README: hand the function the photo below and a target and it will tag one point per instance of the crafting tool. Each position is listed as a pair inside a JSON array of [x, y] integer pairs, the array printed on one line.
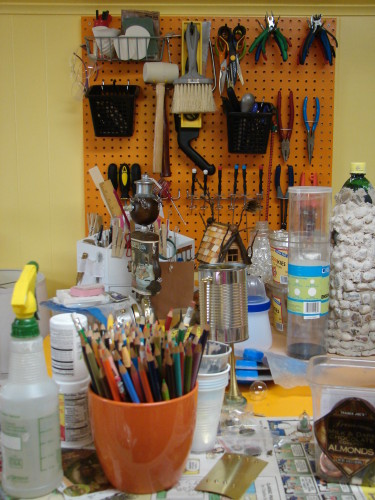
[[192, 91], [311, 128], [135, 175], [233, 196], [184, 137], [285, 134], [280, 195], [219, 188], [318, 31], [113, 175], [192, 189], [124, 180], [159, 73], [271, 29]]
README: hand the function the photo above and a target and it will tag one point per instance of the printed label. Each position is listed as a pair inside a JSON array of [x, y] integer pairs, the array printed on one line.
[[277, 310], [279, 258], [308, 290]]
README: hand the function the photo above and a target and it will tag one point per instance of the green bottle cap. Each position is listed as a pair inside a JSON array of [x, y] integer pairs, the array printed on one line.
[[25, 328], [357, 167]]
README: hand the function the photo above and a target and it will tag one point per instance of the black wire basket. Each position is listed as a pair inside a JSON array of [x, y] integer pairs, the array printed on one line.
[[247, 132], [113, 109]]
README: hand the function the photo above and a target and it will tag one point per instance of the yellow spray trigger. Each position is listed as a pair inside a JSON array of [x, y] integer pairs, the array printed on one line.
[[23, 299]]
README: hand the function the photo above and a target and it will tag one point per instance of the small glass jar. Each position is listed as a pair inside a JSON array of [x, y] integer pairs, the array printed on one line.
[[279, 256]]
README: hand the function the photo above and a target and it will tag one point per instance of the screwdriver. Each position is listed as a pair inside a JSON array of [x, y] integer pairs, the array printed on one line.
[[124, 178]]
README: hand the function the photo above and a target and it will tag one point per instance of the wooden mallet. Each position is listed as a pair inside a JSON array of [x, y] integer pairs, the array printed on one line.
[[159, 74]]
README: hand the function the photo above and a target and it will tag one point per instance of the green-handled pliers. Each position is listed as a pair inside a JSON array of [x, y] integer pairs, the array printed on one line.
[[270, 29]]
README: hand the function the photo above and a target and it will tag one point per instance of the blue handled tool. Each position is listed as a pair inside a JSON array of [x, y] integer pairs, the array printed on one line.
[[311, 129]]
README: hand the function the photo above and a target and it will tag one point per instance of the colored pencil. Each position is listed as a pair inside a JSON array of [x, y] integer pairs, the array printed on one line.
[[165, 391], [168, 320], [110, 378], [145, 383], [188, 368], [128, 383], [153, 377], [169, 373], [134, 375], [197, 356], [177, 371]]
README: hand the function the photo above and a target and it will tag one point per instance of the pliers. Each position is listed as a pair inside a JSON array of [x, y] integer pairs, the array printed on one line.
[[280, 195], [285, 134], [311, 130], [271, 29], [318, 31]]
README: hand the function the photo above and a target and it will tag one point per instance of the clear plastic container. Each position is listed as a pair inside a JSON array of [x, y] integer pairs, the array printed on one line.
[[343, 392], [260, 251], [279, 256], [258, 306], [308, 270]]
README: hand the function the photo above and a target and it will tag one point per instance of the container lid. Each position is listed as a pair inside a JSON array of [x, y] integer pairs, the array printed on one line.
[[309, 189], [357, 167], [258, 304]]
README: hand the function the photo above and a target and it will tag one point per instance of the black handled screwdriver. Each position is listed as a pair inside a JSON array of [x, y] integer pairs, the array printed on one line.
[[124, 179], [193, 179]]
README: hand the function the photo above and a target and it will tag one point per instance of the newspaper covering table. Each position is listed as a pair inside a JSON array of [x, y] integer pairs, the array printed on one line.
[[289, 473]]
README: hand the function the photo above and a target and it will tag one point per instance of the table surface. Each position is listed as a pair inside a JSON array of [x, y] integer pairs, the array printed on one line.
[[278, 402]]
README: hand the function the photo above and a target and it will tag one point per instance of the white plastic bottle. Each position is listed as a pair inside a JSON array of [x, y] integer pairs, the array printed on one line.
[[29, 406]]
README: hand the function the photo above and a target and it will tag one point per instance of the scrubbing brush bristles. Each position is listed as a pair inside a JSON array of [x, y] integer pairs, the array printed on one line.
[[192, 91]]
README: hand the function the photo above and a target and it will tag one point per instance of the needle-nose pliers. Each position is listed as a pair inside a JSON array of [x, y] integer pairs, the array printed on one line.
[[311, 129]]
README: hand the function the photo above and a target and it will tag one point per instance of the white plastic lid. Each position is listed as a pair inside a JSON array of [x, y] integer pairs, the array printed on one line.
[[357, 167]]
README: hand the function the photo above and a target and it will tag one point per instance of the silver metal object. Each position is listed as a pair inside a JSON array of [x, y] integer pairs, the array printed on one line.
[[223, 300]]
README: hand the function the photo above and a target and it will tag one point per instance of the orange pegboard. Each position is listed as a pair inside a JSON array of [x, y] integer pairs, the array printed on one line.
[[264, 79]]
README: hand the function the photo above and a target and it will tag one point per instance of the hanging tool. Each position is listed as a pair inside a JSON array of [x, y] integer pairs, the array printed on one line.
[[244, 182], [124, 180], [318, 31], [285, 134], [135, 175], [159, 73], [231, 47], [113, 175], [311, 129], [219, 178], [184, 137], [271, 29], [162, 190], [280, 196]]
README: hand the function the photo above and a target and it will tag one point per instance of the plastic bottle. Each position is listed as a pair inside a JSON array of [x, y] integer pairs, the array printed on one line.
[[260, 252], [351, 330], [358, 180], [29, 405]]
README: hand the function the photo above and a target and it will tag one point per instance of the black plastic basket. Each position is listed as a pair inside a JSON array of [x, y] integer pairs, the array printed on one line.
[[112, 109], [247, 132]]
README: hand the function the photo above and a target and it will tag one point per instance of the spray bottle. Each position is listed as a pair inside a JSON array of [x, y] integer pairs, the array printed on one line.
[[29, 409]]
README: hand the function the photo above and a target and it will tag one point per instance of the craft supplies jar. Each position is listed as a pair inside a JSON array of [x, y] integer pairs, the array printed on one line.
[[75, 430], [308, 270], [278, 295], [279, 255], [351, 325], [260, 251], [67, 360], [344, 418], [29, 410]]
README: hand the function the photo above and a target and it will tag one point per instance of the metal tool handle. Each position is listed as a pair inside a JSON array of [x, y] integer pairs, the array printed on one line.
[[219, 174], [192, 38], [193, 179]]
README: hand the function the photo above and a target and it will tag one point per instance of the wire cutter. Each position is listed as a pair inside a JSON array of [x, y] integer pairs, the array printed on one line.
[[270, 29], [318, 31], [280, 195], [311, 130], [285, 134]]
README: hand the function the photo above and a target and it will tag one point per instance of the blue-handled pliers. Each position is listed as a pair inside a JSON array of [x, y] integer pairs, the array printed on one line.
[[311, 129]]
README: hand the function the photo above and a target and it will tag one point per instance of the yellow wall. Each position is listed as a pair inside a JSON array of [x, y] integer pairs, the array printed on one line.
[[41, 147]]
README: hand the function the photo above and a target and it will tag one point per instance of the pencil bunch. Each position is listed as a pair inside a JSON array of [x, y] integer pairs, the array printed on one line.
[[141, 363]]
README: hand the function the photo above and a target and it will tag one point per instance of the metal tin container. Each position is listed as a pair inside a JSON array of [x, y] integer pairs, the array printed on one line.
[[223, 300]]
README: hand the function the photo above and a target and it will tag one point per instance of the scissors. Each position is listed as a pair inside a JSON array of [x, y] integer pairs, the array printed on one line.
[[231, 46], [311, 130]]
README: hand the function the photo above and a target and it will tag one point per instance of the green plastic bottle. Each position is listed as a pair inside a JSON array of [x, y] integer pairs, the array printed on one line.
[[358, 180]]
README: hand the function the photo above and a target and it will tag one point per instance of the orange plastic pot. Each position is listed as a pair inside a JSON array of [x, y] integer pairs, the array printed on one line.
[[143, 448]]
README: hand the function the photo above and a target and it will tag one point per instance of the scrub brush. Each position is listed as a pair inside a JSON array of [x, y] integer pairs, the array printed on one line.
[[192, 91]]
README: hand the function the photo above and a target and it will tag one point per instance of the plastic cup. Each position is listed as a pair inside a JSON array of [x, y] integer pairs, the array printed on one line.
[[211, 389], [215, 357], [143, 448]]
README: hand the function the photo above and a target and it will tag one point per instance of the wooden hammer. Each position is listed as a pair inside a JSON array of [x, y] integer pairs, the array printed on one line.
[[159, 73]]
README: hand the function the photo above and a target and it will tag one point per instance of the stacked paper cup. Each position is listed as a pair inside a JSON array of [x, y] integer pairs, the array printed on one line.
[[70, 373]]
